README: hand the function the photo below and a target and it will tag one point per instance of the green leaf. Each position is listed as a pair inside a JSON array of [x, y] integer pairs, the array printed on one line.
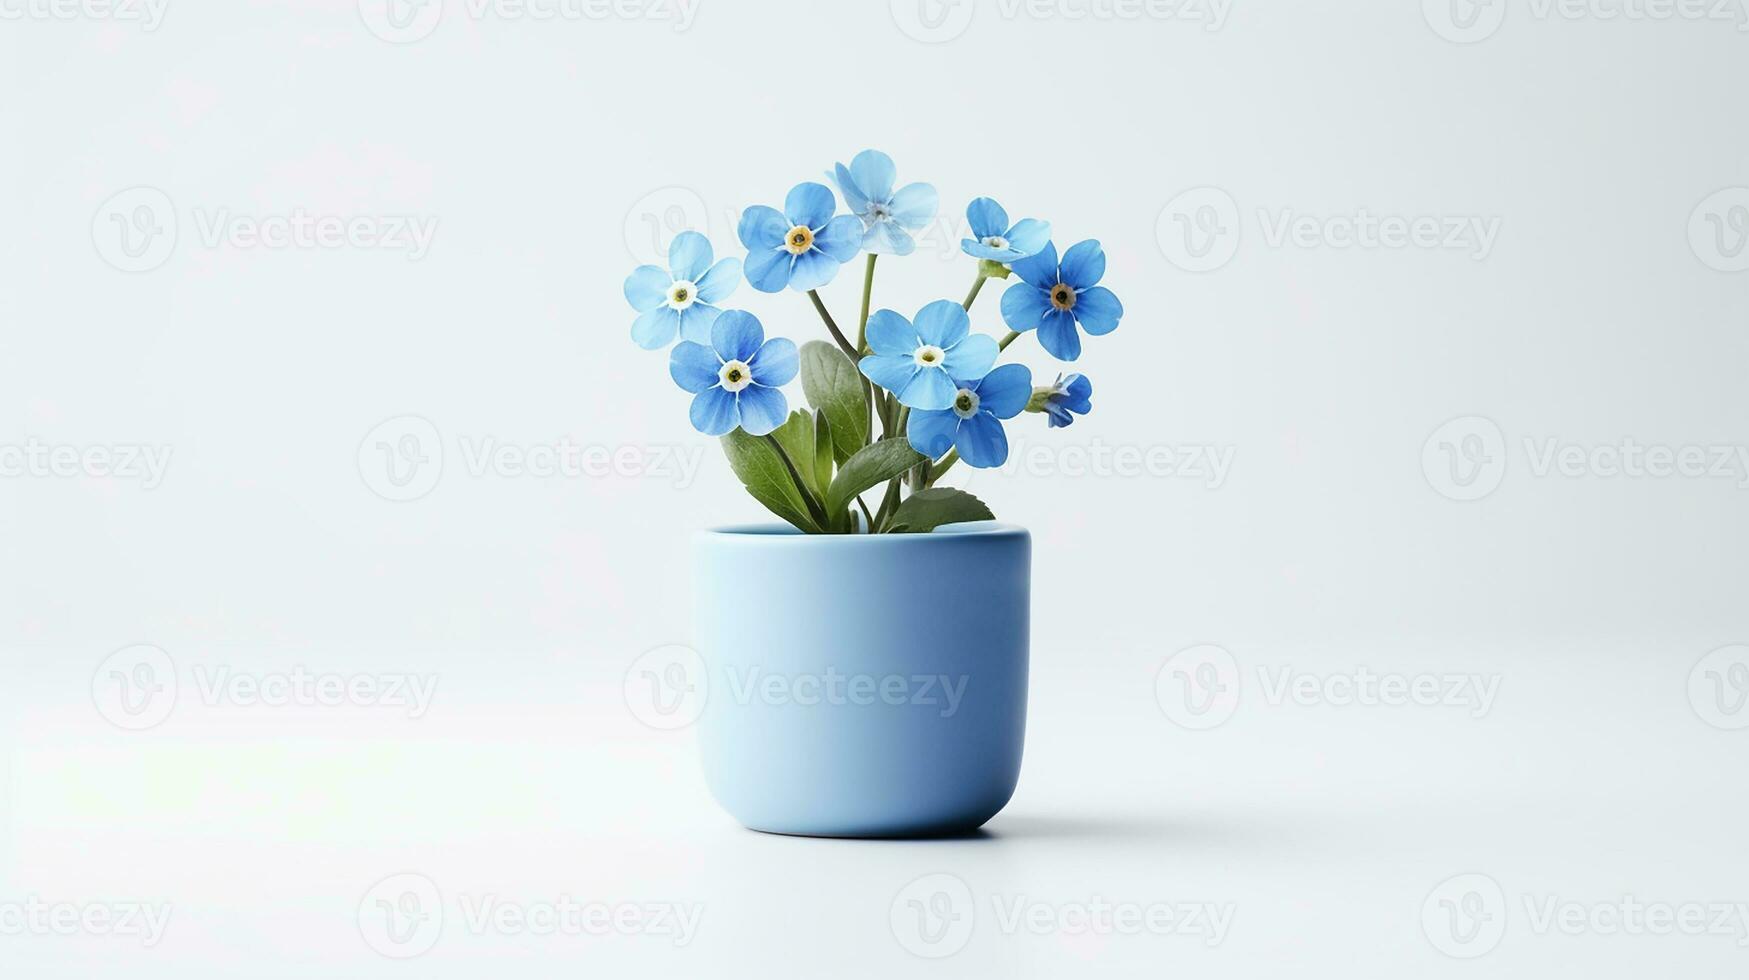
[[797, 438], [927, 510], [835, 387], [758, 466], [871, 465], [822, 452]]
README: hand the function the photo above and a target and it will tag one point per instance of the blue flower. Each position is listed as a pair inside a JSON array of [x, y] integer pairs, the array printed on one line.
[[972, 422], [1073, 393], [1053, 298], [680, 299], [919, 363], [888, 218], [994, 239], [800, 247], [734, 381]]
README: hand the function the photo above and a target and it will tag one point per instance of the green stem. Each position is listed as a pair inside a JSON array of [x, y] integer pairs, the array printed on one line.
[[1002, 344], [867, 290], [832, 325], [935, 472], [870, 526], [973, 295]]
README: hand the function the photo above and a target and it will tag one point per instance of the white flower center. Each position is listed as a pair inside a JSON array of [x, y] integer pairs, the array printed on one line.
[[929, 355], [799, 240], [735, 375], [965, 404], [996, 241], [879, 212], [682, 294]]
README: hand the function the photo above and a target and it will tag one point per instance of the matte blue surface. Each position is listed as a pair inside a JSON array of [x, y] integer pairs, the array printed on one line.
[[788, 749]]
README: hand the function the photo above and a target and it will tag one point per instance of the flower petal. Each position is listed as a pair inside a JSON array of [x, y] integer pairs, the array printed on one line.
[[854, 198], [986, 218], [1024, 306], [915, 206], [970, 359], [714, 412], [762, 409], [978, 250], [775, 363], [931, 433], [762, 227], [1040, 269], [689, 255], [981, 441], [1083, 264], [1005, 391], [891, 333], [1057, 334], [813, 269], [693, 366], [874, 173], [929, 389], [647, 287], [655, 328], [719, 281], [1029, 235], [696, 320], [736, 335], [809, 204], [943, 323], [891, 371], [1098, 310], [887, 238], [841, 238], [768, 269]]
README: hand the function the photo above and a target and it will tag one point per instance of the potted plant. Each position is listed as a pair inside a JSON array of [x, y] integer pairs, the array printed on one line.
[[867, 658]]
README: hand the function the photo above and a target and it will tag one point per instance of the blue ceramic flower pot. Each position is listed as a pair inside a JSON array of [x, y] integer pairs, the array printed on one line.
[[864, 685]]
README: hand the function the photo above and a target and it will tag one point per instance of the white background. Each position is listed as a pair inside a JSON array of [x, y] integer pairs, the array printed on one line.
[[553, 154]]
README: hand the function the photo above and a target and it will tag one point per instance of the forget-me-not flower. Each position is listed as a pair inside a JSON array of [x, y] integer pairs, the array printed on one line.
[[920, 361], [889, 219], [1069, 394], [801, 246], [972, 422], [734, 381], [679, 300], [995, 239], [1054, 297]]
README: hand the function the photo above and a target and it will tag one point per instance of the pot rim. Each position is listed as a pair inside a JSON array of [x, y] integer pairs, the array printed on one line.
[[785, 535]]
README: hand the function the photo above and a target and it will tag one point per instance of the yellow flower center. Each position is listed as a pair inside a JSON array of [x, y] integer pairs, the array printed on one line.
[[1063, 296], [799, 240], [929, 355], [682, 294]]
